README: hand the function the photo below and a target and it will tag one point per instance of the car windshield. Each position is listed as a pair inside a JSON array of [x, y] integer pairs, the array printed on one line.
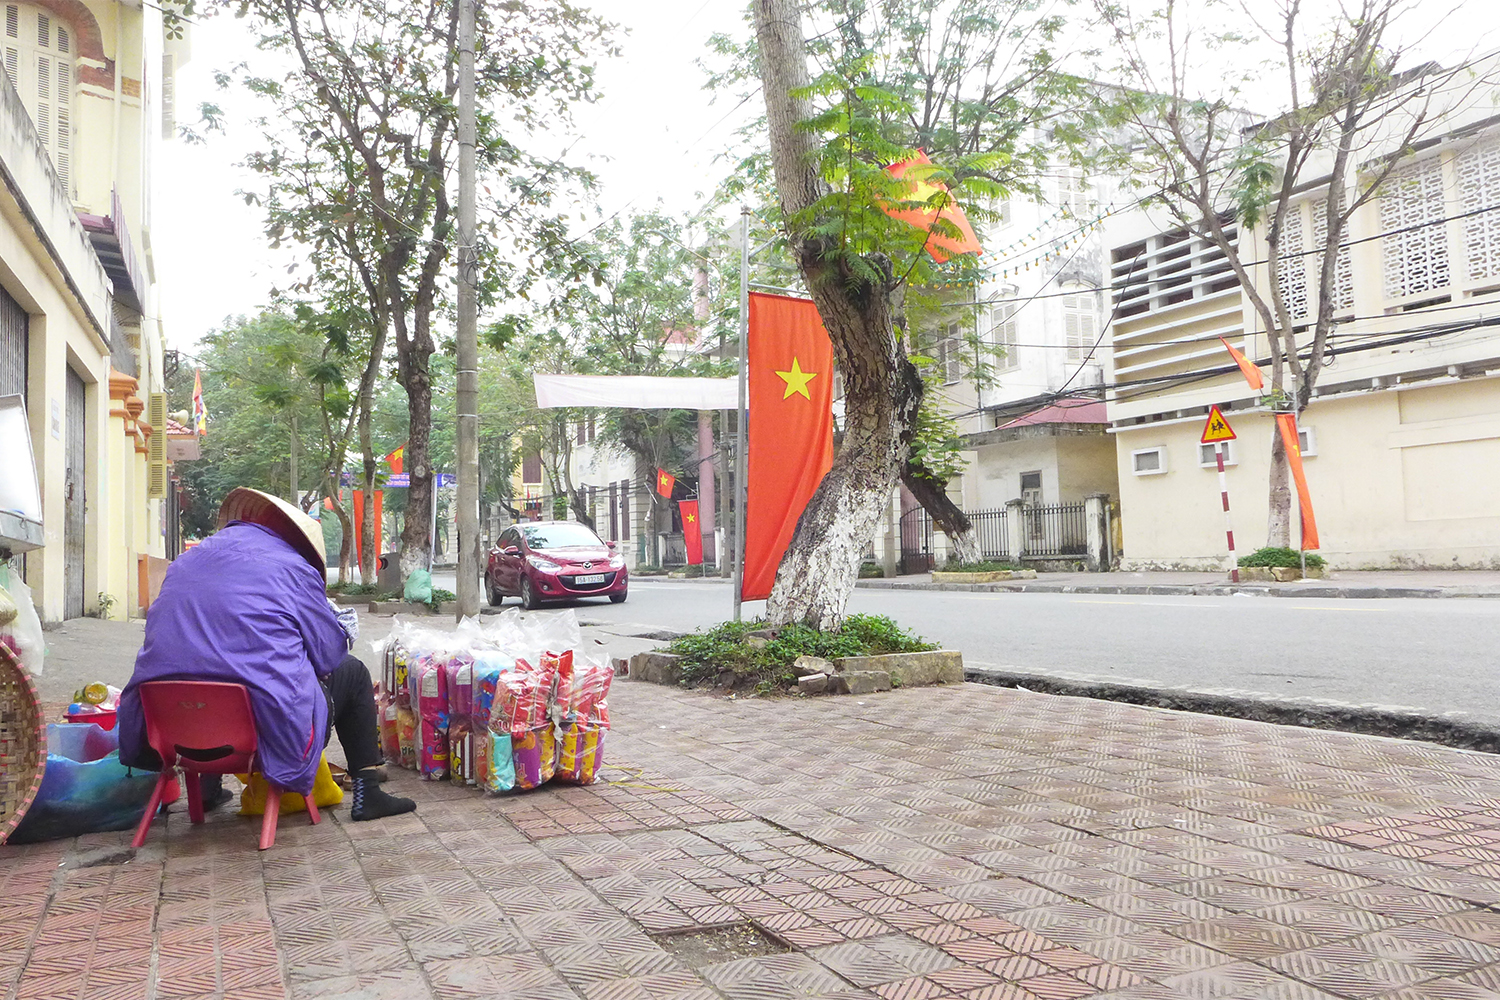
[[558, 536]]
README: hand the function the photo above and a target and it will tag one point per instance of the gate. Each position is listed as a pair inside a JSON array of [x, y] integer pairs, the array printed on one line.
[[916, 541], [76, 499]]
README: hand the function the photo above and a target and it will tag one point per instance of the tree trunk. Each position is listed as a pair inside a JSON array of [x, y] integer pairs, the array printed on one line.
[[949, 518], [881, 387], [416, 532], [1279, 520]]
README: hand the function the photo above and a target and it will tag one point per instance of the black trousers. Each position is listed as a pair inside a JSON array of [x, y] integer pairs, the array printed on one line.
[[351, 714]]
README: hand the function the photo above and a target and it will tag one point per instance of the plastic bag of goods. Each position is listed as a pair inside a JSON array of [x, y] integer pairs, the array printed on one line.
[[488, 666], [460, 675], [582, 716], [497, 761], [430, 686], [85, 788], [522, 711]]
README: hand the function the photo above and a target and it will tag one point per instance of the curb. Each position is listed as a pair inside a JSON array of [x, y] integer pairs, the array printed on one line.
[[1188, 590], [1368, 720]]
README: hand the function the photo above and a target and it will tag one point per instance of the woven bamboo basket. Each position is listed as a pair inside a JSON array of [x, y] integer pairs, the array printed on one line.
[[23, 742]]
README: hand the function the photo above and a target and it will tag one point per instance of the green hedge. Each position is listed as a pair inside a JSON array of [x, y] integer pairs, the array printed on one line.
[[1280, 557]]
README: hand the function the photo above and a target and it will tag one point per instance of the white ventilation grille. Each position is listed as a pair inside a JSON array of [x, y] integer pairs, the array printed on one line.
[[1080, 325], [1416, 258], [12, 21], [1343, 270], [1479, 188], [1291, 271]]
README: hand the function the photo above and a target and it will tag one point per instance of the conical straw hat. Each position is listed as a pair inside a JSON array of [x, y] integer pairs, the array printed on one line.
[[303, 533]]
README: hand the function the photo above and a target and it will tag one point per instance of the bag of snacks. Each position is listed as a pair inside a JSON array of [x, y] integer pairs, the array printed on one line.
[[580, 752], [535, 755], [431, 684], [499, 763]]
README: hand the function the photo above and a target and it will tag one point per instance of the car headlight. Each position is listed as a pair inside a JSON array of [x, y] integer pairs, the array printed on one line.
[[543, 563], [617, 562]]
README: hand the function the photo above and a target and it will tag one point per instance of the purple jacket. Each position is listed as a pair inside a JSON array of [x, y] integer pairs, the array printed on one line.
[[244, 606]]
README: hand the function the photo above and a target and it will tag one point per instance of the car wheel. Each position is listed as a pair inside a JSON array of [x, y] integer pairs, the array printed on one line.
[[496, 598], [529, 599], [617, 598]]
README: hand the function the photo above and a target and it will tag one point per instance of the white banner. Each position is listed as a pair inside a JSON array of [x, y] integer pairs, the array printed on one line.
[[637, 392]]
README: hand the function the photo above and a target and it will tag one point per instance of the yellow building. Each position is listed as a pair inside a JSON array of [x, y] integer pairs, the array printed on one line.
[[1402, 437], [86, 102]]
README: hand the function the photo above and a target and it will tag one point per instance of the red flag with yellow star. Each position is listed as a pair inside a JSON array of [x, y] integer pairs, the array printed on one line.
[[791, 429], [940, 245], [692, 531], [665, 481]]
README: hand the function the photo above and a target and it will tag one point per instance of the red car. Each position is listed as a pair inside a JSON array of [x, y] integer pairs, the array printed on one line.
[[553, 560]]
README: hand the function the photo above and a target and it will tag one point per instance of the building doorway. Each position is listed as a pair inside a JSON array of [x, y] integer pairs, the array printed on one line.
[[76, 502]]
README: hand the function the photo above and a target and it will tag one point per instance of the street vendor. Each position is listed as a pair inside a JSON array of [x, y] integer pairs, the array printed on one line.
[[249, 606]]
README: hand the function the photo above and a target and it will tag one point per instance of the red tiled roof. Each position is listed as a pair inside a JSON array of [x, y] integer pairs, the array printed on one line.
[[1064, 411]]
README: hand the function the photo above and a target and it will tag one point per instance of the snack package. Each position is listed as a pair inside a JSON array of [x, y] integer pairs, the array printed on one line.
[[582, 701], [580, 752], [400, 686], [535, 755], [390, 737], [460, 671], [406, 734], [500, 770], [431, 683], [488, 666], [523, 700]]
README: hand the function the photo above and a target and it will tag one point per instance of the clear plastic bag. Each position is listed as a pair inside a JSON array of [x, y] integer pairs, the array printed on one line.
[[25, 632]]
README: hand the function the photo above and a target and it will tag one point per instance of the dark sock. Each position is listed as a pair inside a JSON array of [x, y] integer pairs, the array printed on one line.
[[211, 786], [372, 802]]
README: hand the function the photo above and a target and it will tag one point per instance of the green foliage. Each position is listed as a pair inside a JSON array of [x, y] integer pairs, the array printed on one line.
[[106, 605], [1273, 556], [871, 571], [440, 597], [351, 589], [736, 646]]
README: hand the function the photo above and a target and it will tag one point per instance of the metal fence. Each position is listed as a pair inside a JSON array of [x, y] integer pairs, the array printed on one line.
[[1059, 530], [1048, 532]]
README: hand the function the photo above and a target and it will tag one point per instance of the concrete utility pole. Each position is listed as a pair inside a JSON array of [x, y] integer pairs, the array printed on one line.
[[739, 436], [468, 327]]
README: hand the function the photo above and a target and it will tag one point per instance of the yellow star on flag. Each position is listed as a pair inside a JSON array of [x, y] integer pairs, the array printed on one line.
[[691, 519], [796, 381]]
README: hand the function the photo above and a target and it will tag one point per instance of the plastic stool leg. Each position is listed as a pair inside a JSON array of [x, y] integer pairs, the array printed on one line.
[[194, 795], [268, 821], [152, 804], [312, 810]]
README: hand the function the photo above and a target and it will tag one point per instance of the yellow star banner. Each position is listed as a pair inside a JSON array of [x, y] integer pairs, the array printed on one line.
[[692, 532], [796, 380], [665, 481]]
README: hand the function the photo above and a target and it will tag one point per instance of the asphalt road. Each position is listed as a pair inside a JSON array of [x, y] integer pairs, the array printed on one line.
[[1431, 655]]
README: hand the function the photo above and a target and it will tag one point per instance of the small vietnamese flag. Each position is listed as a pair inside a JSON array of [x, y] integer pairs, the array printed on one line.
[[664, 483], [396, 458], [692, 531], [1252, 373]]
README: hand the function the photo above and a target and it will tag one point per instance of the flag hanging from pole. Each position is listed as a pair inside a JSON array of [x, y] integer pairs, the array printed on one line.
[[665, 481], [200, 411], [397, 459], [1287, 424], [791, 429], [1252, 373], [940, 245], [692, 531]]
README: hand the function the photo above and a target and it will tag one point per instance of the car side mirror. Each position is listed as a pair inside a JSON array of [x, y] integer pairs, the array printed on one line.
[[611, 546], [511, 550]]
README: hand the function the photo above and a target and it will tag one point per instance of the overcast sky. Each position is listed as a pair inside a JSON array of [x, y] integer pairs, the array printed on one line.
[[654, 136]]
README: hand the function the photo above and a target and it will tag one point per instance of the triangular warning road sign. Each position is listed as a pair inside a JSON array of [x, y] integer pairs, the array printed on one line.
[[1217, 428]]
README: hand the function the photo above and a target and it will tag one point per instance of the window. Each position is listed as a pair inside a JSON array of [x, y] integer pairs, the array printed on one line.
[[531, 469], [1003, 331], [39, 62], [592, 429], [1072, 192], [949, 354], [1416, 259], [1208, 460], [1307, 442], [1343, 269], [580, 432], [1080, 322], [1031, 489], [1291, 269], [1478, 172], [1149, 461]]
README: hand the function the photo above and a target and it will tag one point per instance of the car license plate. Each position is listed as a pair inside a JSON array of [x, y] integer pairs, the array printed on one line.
[[589, 578]]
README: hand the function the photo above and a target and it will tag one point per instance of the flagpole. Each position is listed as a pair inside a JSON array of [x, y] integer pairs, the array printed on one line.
[[740, 418]]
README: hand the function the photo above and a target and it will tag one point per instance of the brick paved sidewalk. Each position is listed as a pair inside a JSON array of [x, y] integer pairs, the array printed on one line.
[[960, 842]]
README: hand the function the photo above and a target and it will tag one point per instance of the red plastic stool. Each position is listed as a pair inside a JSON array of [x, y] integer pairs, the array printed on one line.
[[203, 727]]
